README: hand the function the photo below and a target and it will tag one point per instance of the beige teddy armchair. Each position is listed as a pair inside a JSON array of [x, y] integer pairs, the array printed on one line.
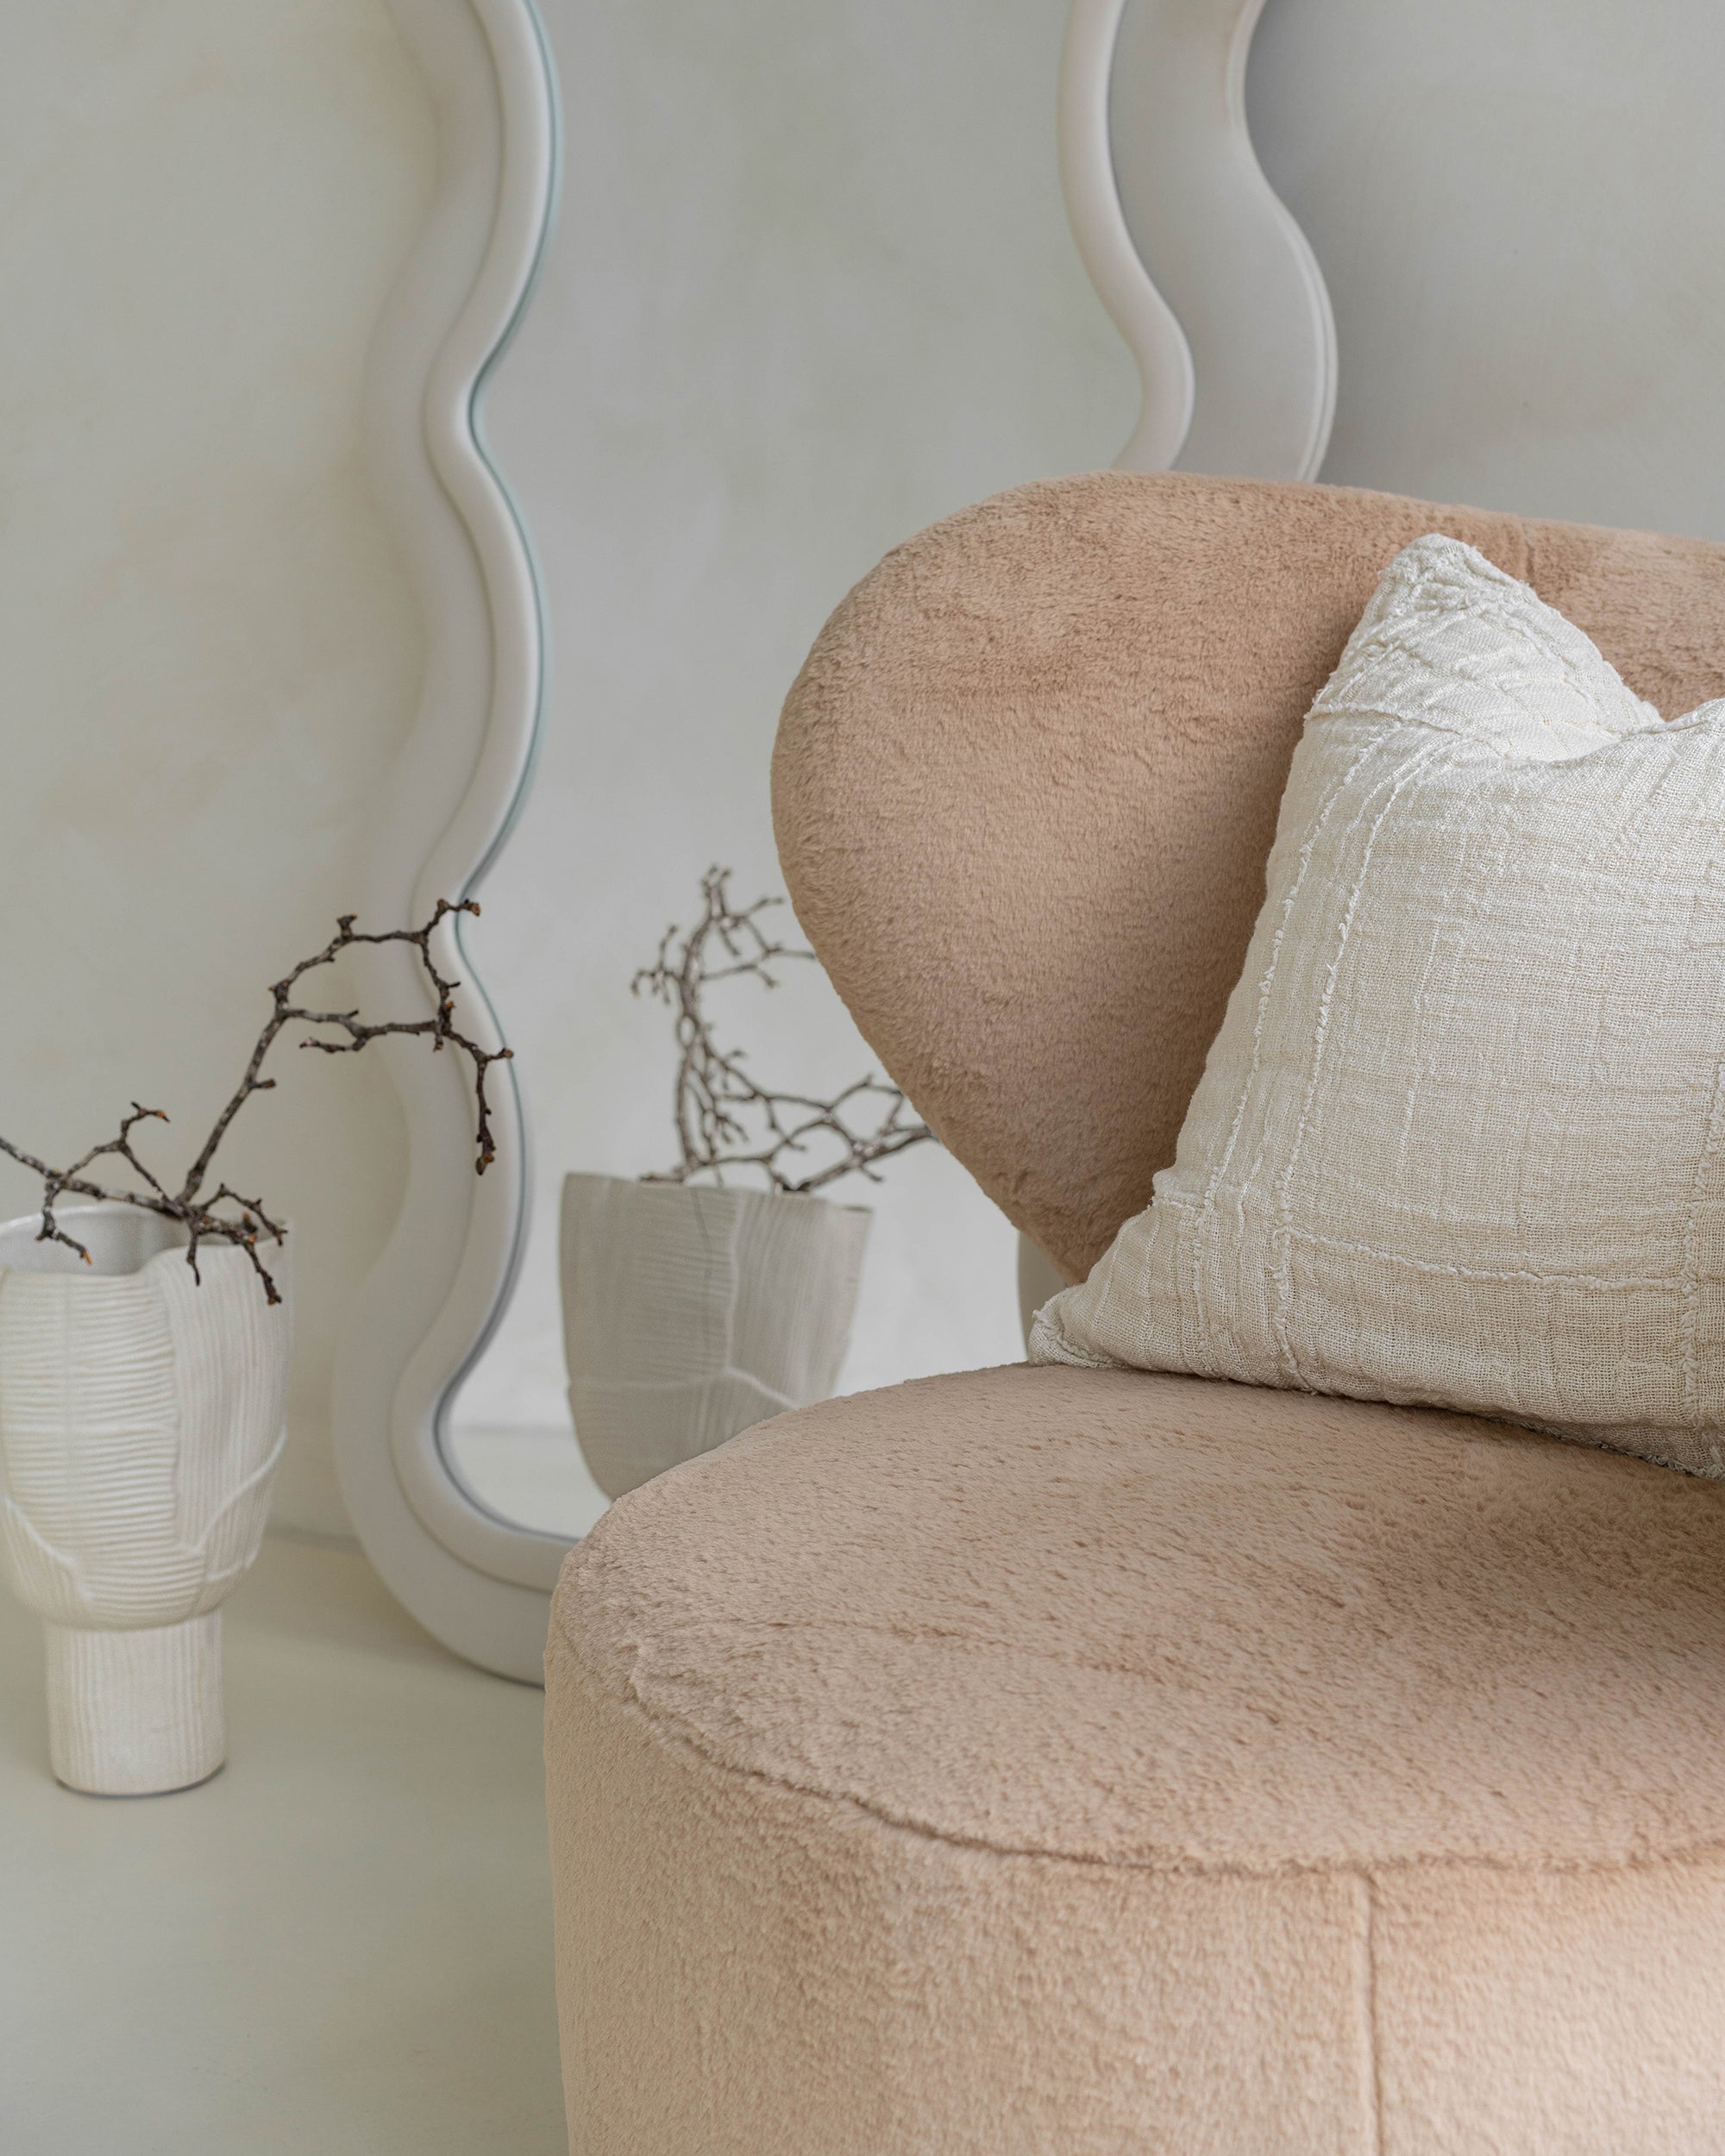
[[1048, 1762]]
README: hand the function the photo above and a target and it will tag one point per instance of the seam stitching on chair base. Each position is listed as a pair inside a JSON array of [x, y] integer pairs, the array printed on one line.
[[1374, 2079], [667, 1732]]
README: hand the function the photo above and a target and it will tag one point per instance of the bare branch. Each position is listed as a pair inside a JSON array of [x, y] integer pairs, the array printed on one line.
[[248, 1223], [726, 1121]]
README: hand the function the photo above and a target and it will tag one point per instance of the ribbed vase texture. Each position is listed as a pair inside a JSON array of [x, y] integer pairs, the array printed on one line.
[[140, 1423], [690, 1313]]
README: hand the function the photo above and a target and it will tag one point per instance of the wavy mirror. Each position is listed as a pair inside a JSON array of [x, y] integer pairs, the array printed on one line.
[[473, 1577], [790, 313]]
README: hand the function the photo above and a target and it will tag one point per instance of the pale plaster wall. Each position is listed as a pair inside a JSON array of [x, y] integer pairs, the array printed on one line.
[[210, 648], [1519, 212]]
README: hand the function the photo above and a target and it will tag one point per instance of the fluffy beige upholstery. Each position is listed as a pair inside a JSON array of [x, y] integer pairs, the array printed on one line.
[[1026, 783], [1069, 1761], [1074, 1763]]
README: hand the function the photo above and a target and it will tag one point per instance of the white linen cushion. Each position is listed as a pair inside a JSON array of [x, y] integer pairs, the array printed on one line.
[[1457, 1141]]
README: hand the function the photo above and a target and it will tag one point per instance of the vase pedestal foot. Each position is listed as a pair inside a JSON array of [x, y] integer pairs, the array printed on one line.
[[135, 1712]]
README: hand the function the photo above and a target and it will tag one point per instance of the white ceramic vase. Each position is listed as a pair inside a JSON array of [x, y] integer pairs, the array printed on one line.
[[140, 1422], [691, 1313]]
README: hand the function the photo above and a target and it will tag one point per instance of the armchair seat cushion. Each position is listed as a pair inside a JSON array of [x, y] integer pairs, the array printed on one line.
[[1079, 1760]]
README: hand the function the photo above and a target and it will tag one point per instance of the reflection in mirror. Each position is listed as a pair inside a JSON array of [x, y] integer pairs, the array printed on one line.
[[757, 357], [536, 1477]]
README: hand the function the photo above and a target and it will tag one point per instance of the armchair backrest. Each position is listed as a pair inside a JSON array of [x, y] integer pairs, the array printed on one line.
[[1026, 783]]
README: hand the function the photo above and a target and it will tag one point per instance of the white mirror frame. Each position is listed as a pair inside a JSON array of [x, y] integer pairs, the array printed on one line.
[[1208, 277], [480, 1584], [1199, 262]]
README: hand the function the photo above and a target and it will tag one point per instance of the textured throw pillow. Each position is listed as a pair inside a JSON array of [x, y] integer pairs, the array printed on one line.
[[1459, 1139]]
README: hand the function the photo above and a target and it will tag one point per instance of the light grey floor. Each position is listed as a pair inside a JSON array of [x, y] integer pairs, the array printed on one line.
[[340, 1946]]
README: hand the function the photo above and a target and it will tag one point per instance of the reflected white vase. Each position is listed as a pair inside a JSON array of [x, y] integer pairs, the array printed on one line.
[[690, 1313], [140, 1423]]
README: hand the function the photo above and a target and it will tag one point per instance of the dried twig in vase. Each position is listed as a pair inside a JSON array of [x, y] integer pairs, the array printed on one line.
[[724, 1120], [194, 1207]]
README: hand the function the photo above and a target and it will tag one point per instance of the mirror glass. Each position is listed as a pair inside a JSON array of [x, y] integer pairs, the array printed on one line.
[[758, 356]]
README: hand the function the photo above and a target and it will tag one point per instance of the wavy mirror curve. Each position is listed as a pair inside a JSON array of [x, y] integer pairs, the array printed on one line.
[[1202, 267], [479, 1583]]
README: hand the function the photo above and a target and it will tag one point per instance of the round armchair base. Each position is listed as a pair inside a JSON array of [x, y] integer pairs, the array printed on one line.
[[1091, 1761], [136, 1713]]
